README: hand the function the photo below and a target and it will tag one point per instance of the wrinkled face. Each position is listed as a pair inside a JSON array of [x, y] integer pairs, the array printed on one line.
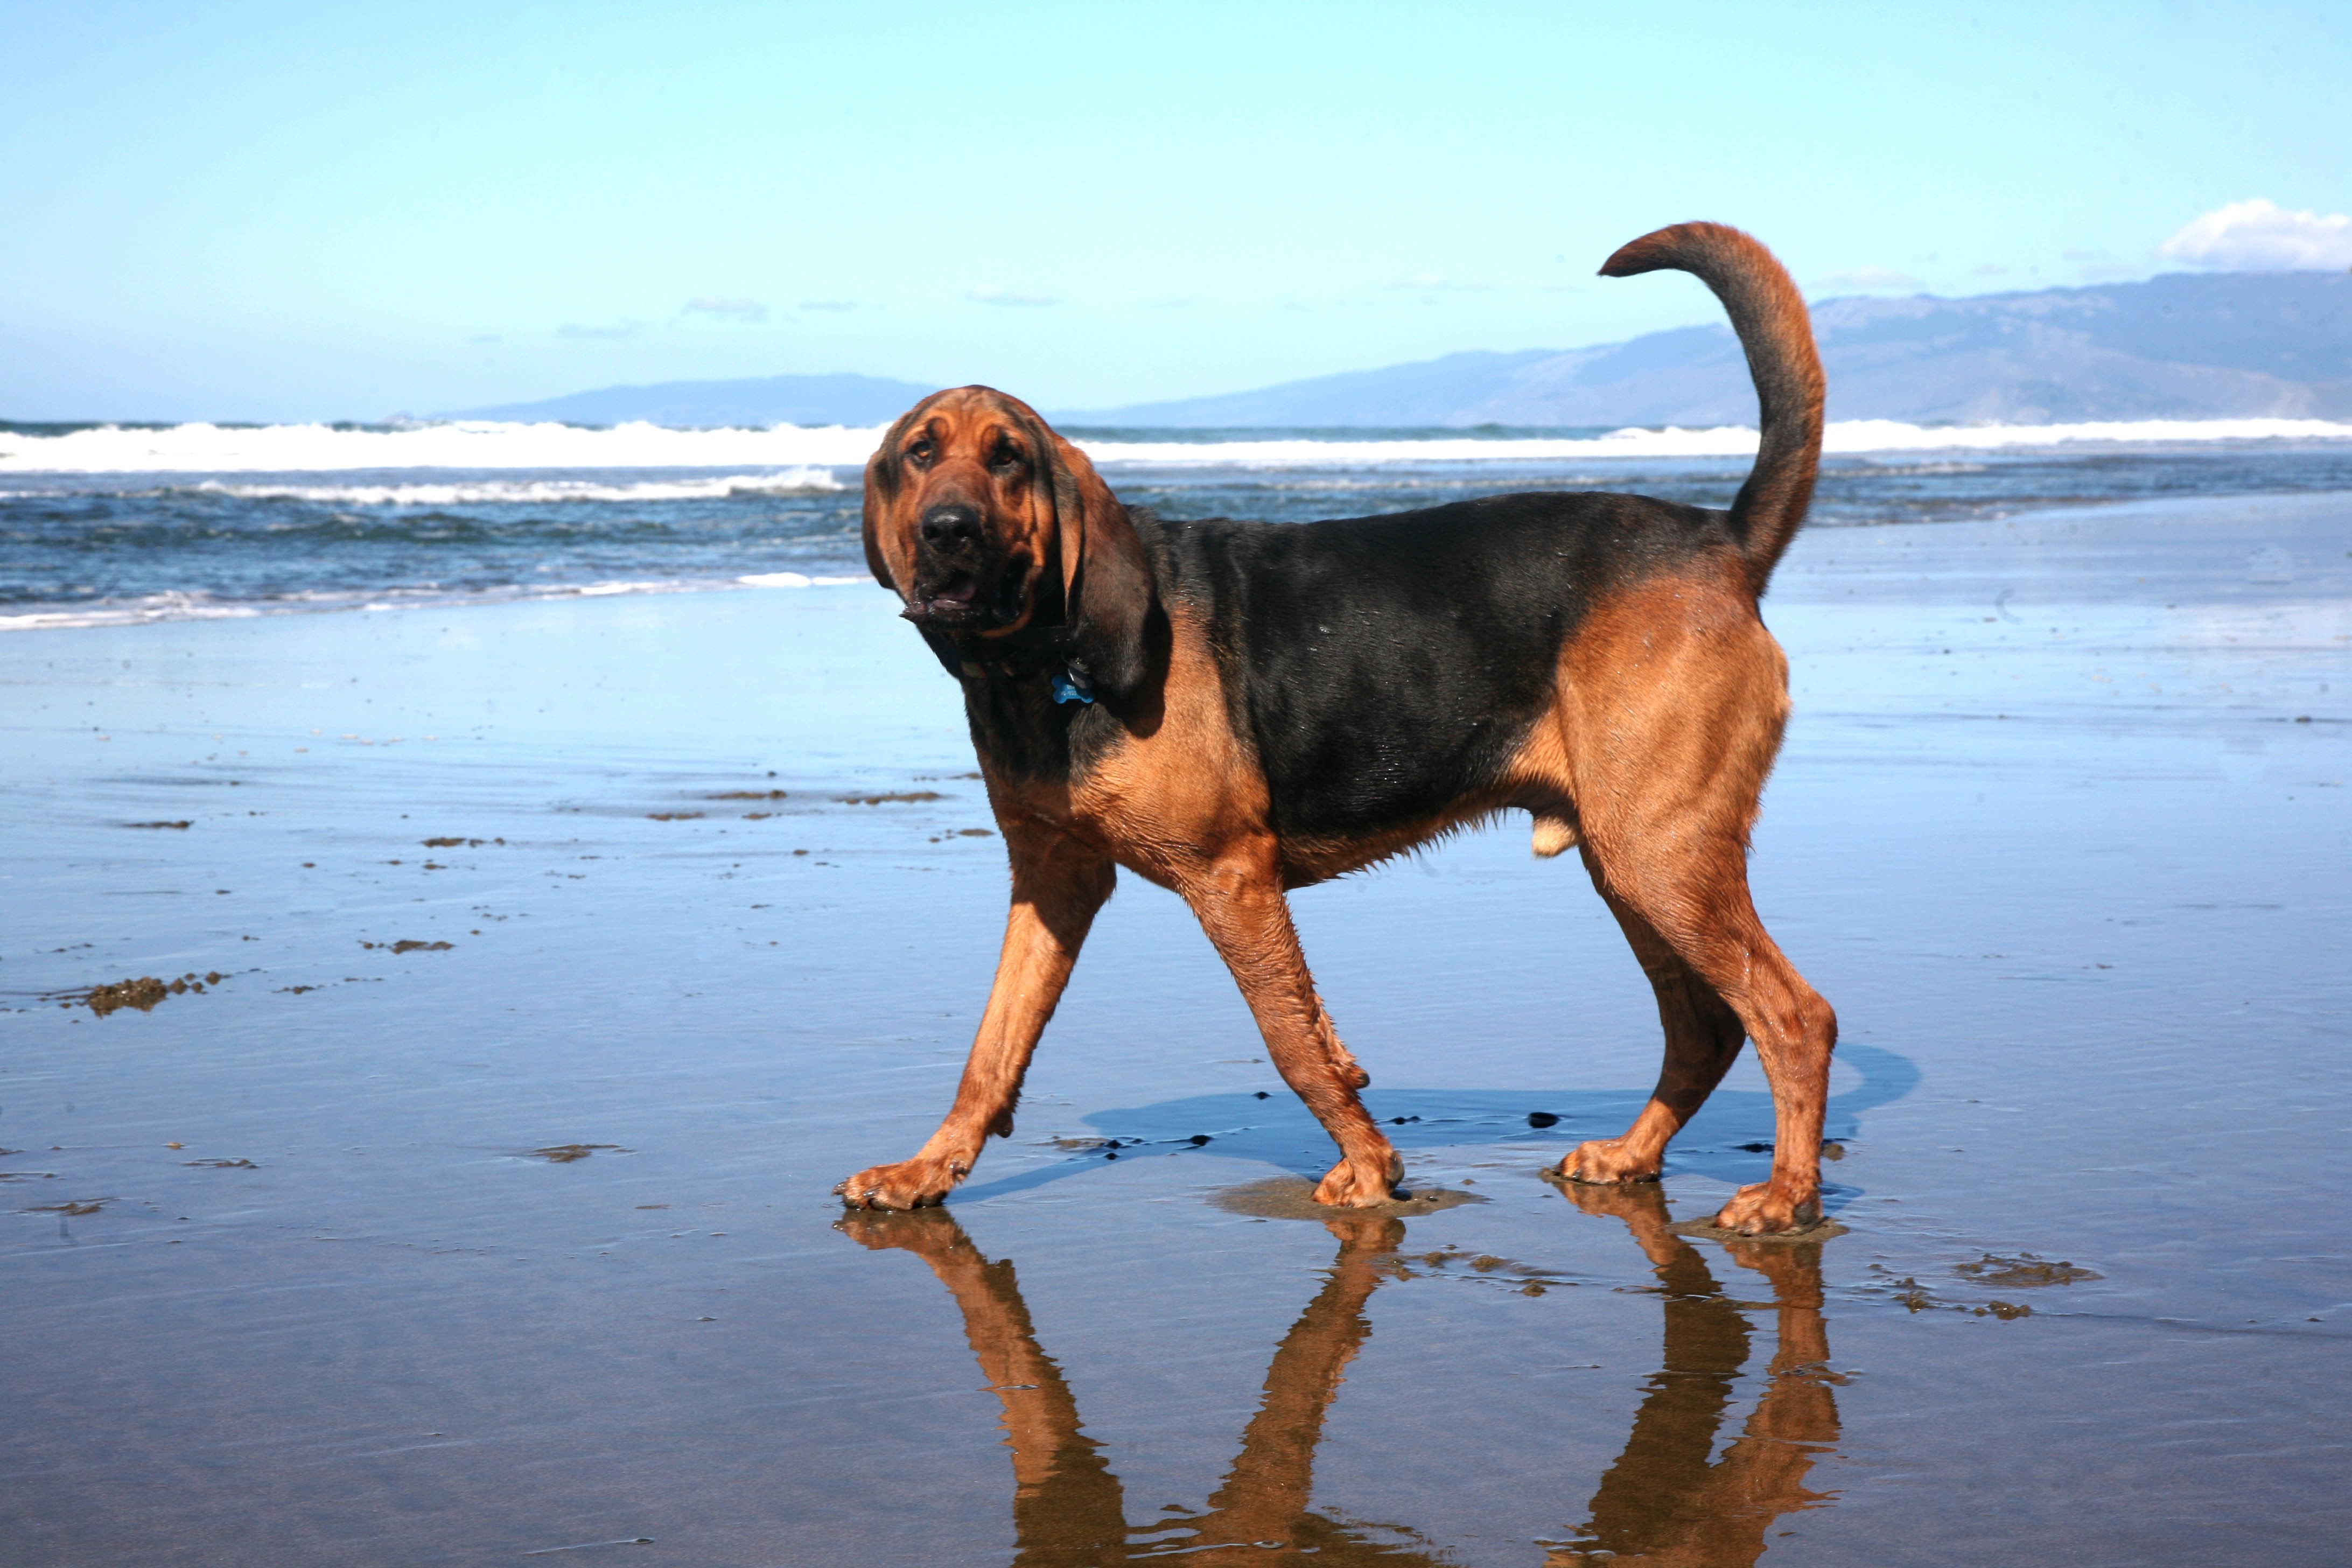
[[959, 512]]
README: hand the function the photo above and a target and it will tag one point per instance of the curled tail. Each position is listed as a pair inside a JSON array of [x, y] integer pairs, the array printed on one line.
[[1769, 316]]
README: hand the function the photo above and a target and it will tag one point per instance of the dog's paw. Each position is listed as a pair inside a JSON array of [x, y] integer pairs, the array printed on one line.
[[1607, 1161], [909, 1184], [1359, 1185], [1770, 1208]]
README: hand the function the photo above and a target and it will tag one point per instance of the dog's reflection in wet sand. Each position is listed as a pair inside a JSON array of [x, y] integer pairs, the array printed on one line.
[[1663, 1501]]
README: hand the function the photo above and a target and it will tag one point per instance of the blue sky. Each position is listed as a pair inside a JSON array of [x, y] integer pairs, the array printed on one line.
[[283, 212]]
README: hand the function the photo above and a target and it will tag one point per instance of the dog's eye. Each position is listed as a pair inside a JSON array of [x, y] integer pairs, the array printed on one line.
[[919, 454], [1006, 457]]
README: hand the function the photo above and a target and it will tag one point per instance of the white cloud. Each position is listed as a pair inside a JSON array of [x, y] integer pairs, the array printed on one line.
[[995, 294], [1867, 278], [733, 309], [2260, 235], [828, 304]]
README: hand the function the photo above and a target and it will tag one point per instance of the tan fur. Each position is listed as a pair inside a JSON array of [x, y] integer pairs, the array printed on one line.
[[1553, 836], [1181, 803], [1671, 703], [1668, 708]]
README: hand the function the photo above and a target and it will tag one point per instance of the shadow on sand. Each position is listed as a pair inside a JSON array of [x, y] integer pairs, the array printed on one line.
[[1669, 1496], [1729, 1141]]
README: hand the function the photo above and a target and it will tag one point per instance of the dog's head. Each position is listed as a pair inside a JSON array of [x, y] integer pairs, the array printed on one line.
[[985, 522]]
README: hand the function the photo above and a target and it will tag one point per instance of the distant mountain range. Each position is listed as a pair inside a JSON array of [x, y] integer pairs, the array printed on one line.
[[2185, 346], [2179, 346], [713, 405]]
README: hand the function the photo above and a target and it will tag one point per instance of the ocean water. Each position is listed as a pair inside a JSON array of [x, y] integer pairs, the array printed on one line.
[[112, 524]]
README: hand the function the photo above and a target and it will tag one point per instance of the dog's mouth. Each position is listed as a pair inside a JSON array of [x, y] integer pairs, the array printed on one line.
[[960, 601], [958, 598]]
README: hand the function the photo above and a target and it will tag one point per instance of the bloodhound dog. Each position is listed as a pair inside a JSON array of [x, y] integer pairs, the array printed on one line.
[[1232, 709]]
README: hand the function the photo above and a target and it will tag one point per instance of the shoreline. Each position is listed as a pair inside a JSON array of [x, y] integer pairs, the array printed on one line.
[[55, 616], [54, 619]]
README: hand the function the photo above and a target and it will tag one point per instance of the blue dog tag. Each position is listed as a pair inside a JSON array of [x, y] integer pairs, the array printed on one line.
[[1069, 686]]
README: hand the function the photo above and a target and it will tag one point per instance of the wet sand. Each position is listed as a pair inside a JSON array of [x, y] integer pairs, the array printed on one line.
[[375, 1251]]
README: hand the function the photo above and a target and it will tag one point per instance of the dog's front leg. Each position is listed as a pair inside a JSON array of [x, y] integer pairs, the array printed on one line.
[[1240, 905], [1058, 886]]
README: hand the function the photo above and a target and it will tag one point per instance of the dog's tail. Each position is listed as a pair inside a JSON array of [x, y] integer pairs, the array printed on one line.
[[1769, 316]]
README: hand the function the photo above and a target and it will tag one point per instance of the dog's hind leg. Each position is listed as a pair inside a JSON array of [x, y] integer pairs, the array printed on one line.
[[1692, 889], [1057, 887], [1675, 697], [1240, 905], [1703, 1037]]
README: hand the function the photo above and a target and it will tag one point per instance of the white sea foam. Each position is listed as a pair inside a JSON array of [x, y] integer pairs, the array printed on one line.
[[781, 482], [1845, 438], [792, 457], [467, 444], [134, 612], [1859, 436], [197, 606]]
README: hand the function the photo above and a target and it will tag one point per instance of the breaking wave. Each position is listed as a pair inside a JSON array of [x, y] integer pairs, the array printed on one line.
[[493, 493], [1851, 437], [475, 445], [811, 458], [110, 525]]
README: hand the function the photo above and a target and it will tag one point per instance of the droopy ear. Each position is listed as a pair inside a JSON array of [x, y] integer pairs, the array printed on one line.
[[890, 553], [1107, 588]]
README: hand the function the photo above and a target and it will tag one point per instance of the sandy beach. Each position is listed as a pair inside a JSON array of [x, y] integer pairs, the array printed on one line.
[[567, 951]]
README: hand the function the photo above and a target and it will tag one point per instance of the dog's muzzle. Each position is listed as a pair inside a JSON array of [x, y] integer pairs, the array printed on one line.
[[958, 577]]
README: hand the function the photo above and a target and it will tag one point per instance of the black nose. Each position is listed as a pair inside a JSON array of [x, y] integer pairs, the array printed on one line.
[[951, 527]]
